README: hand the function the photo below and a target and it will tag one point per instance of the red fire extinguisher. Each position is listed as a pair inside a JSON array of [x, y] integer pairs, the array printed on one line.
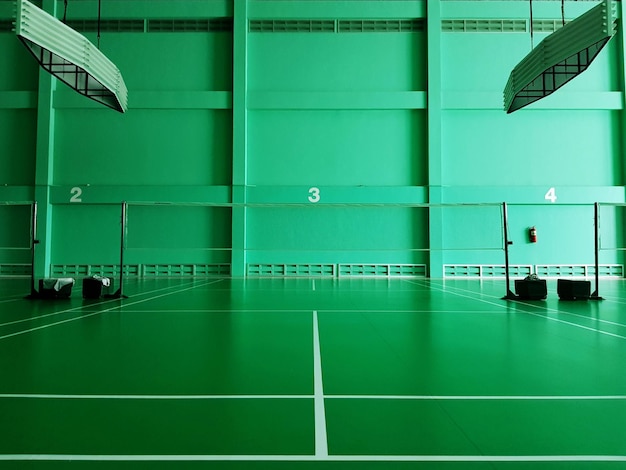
[[532, 235]]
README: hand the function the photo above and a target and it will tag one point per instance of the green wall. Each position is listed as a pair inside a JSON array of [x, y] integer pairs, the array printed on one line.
[[309, 133]]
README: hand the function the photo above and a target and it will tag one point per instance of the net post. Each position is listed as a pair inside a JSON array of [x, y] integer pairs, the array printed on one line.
[[33, 240], [505, 225], [119, 294], [596, 233]]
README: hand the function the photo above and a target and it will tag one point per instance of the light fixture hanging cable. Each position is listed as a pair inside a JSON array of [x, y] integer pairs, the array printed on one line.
[[99, 20], [532, 45]]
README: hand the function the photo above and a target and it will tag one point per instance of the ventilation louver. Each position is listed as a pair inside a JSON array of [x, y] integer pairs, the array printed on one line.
[[6, 26], [337, 26], [207, 25], [107, 26], [483, 26], [381, 26], [292, 26]]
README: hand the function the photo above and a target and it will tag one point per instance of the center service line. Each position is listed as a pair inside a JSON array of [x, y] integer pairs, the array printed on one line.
[[321, 440]]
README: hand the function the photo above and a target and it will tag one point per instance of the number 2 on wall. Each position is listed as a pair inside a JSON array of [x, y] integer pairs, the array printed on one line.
[[550, 195], [76, 194]]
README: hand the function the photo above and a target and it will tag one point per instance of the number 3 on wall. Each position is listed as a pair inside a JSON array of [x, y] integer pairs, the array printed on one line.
[[76, 193], [314, 194], [550, 195]]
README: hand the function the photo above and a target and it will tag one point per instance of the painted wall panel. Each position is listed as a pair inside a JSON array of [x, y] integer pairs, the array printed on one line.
[[19, 69], [171, 61], [143, 147], [15, 238], [178, 234], [318, 234], [90, 234], [343, 112], [483, 62], [378, 148], [331, 61], [85, 234], [18, 131], [548, 148]]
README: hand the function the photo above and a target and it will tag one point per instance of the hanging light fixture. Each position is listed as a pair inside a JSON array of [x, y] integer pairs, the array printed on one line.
[[560, 57], [70, 57]]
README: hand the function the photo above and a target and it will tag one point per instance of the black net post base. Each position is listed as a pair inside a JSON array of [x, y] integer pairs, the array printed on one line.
[[510, 296]]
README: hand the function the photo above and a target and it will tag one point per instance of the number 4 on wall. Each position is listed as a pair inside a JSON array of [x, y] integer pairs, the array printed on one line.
[[551, 195]]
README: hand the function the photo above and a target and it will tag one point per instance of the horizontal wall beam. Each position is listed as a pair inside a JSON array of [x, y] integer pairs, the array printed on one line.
[[320, 100], [336, 100], [87, 194], [336, 195], [154, 100], [83, 193], [610, 100], [533, 194]]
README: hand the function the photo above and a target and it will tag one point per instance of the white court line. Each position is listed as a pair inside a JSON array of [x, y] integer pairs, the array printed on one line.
[[308, 458], [220, 310], [50, 396], [307, 311], [547, 309], [79, 308], [321, 439], [528, 313], [477, 397], [317, 396], [102, 311]]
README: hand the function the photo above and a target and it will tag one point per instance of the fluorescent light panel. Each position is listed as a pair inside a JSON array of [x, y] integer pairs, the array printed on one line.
[[70, 57], [560, 57]]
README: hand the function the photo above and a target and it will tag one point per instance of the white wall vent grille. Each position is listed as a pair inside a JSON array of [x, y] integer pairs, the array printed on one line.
[[292, 26], [579, 270], [7, 26], [542, 270], [485, 271], [337, 26], [291, 270], [109, 270], [483, 26], [15, 270], [381, 26], [207, 25], [110, 26], [547, 26], [382, 270], [165, 25]]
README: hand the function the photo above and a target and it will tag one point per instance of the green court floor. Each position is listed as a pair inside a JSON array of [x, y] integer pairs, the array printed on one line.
[[312, 374]]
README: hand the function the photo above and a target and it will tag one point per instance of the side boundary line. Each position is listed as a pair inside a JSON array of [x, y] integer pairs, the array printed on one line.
[[321, 439], [316, 396], [82, 317], [78, 309], [307, 458], [545, 317]]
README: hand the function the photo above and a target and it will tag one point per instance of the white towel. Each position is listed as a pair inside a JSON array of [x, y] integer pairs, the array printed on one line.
[[63, 281]]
